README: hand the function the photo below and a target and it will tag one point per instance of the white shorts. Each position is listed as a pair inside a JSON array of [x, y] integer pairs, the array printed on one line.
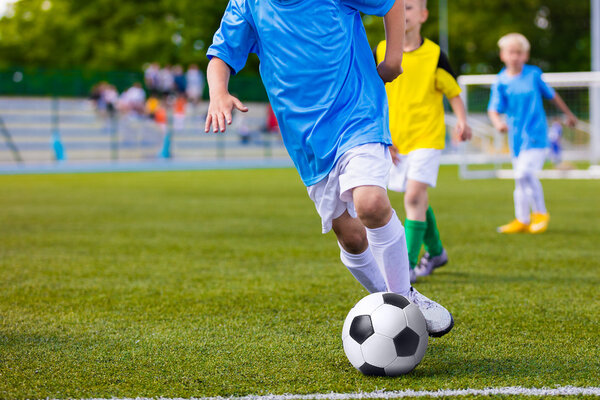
[[529, 162], [365, 165], [421, 165]]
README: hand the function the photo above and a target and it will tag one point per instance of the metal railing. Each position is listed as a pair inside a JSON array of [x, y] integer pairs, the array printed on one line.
[[46, 130]]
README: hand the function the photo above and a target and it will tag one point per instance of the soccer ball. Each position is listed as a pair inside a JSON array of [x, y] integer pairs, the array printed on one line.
[[385, 334]]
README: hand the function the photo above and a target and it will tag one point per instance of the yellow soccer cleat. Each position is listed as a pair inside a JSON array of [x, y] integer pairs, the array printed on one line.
[[514, 226], [539, 222]]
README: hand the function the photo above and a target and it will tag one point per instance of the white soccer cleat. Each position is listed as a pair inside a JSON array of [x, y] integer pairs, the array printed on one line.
[[412, 274], [439, 320], [429, 263]]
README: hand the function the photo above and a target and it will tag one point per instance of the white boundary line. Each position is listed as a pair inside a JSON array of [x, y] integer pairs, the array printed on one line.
[[382, 394]]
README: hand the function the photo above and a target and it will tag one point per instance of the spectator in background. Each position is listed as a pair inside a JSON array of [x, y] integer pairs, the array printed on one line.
[[152, 105], [100, 106], [96, 96], [109, 97], [179, 108], [272, 124], [152, 78], [195, 84], [132, 105], [240, 124], [161, 117], [166, 81], [133, 100], [104, 97], [179, 79]]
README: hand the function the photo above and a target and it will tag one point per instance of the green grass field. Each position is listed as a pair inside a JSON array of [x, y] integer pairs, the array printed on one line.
[[219, 283]]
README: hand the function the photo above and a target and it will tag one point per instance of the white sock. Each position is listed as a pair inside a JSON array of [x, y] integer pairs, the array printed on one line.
[[538, 204], [365, 269], [388, 244], [521, 201]]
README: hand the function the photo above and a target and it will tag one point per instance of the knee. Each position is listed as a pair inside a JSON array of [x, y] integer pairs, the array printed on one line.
[[416, 199], [354, 242], [522, 182], [374, 210], [350, 233]]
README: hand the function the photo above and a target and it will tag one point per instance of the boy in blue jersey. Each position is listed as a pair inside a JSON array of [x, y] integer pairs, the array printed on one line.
[[518, 93], [330, 102]]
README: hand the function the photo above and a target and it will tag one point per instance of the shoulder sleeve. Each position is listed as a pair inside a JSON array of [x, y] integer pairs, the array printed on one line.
[[235, 38], [497, 99], [546, 91], [371, 7], [445, 78], [444, 64]]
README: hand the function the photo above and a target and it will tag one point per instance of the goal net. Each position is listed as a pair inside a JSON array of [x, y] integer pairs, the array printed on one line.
[[574, 152]]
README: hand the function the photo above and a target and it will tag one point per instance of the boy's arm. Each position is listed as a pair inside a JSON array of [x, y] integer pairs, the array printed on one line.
[[497, 105], [462, 128], [221, 102], [559, 102], [394, 21], [497, 121]]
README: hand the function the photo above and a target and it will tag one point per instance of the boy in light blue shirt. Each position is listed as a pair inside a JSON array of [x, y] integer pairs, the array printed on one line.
[[519, 93], [330, 102]]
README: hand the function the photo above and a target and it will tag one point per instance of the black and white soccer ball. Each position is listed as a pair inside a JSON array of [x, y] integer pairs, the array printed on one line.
[[385, 334]]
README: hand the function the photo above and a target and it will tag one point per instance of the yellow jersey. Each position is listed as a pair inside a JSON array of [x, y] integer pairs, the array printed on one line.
[[416, 98]]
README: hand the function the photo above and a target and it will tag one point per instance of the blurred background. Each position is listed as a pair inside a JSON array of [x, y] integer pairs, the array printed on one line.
[[108, 80]]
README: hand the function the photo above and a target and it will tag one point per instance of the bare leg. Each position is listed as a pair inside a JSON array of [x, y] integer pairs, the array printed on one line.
[[416, 200], [356, 254]]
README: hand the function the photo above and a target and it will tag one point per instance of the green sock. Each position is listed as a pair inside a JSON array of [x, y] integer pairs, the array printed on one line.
[[415, 232], [433, 244]]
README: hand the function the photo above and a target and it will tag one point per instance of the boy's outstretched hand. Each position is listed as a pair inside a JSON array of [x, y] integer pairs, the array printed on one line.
[[221, 102], [220, 110]]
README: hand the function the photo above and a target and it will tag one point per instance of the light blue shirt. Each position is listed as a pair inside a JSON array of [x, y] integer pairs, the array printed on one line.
[[521, 99], [318, 70]]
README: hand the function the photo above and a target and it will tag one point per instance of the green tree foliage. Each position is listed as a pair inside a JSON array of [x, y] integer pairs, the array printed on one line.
[[108, 34], [125, 34], [559, 32]]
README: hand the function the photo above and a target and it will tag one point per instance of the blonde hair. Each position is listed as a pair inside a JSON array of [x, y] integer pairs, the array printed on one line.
[[514, 38]]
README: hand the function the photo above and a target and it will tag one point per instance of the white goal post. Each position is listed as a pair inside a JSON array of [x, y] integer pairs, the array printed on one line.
[[487, 153]]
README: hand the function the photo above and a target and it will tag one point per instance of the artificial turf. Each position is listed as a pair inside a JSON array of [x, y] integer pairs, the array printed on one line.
[[219, 283]]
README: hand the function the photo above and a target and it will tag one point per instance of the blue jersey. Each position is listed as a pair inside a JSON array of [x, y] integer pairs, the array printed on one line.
[[318, 70], [521, 99]]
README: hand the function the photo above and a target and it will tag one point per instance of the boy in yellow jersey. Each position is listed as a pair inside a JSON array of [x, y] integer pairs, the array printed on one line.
[[418, 132]]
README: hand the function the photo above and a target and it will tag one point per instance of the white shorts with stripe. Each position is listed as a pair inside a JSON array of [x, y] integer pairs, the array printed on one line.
[[365, 165], [421, 165]]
